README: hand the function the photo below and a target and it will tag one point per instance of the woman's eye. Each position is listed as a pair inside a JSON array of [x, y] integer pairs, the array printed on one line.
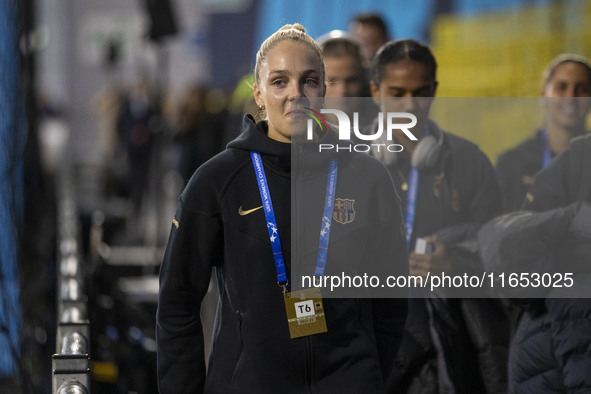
[[277, 83], [311, 81], [583, 91], [421, 93]]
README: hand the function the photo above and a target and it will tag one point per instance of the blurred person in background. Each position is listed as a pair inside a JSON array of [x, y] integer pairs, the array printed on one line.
[[219, 224], [449, 189], [346, 77], [241, 103], [198, 134], [551, 349], [568, 75], [343, 63], [138, 122], [371, 31]]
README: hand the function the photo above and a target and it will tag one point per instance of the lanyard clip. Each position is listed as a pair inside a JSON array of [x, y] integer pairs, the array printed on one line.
[[283, 285]]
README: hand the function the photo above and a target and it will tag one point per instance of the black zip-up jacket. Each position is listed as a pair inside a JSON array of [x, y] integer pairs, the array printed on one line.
[[456, 196], [566, 180], [252, 350], [516, 169], [551, 348]]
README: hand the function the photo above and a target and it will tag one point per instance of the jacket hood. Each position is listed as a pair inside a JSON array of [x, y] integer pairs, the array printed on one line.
[[254, 138], [304, 157]]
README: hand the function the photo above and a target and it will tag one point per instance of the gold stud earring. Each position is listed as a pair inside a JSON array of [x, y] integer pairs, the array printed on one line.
[[262, 107]]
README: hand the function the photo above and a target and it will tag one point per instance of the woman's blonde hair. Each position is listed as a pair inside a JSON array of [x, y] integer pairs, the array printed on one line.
[[295, 32]]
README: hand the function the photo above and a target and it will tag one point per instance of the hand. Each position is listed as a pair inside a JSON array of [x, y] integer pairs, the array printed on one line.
[[436, 262]]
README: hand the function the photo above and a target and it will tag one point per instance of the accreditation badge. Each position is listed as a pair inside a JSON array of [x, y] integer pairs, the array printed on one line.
[[305, 313]]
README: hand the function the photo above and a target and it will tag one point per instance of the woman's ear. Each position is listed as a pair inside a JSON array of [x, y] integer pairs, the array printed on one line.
[[258, 95], [543, 91], [375, 93]]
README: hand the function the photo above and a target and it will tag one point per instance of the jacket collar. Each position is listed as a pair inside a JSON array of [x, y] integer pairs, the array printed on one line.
[[304, 159]]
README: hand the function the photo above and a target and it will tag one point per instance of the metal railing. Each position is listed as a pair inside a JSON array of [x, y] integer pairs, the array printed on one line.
[[71, 363]]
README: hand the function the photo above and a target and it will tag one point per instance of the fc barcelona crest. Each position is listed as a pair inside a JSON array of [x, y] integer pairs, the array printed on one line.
[[344, 210]]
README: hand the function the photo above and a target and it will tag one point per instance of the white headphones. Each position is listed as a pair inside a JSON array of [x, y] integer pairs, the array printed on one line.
[[425, 155], [427, 152]]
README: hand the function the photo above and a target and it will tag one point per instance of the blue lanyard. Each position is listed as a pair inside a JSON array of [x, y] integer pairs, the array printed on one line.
[[270, 216], [265, 193], [546, 154], [411, 199], [331, 186], [411, 203]]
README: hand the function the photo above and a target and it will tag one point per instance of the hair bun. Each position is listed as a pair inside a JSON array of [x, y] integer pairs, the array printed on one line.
[[295, 26]]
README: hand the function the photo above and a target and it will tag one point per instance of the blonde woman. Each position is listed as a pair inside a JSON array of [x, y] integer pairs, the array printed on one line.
[[235, 216]]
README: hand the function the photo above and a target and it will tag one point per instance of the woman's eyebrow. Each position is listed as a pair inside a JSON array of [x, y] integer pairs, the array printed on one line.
[[287, 72], [281, 72], [310, 71]]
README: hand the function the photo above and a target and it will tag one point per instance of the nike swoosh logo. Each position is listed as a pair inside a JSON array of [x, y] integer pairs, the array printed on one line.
[[243, 213]]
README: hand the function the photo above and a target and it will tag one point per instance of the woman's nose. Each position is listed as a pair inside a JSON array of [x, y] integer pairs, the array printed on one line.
[[296, 91]]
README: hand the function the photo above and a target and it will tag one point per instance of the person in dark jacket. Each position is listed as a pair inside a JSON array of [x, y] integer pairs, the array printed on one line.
[[565, 181], [567, 75], [449, 189], [224, 223], [198, 133], [551, 350], [138, 124]]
